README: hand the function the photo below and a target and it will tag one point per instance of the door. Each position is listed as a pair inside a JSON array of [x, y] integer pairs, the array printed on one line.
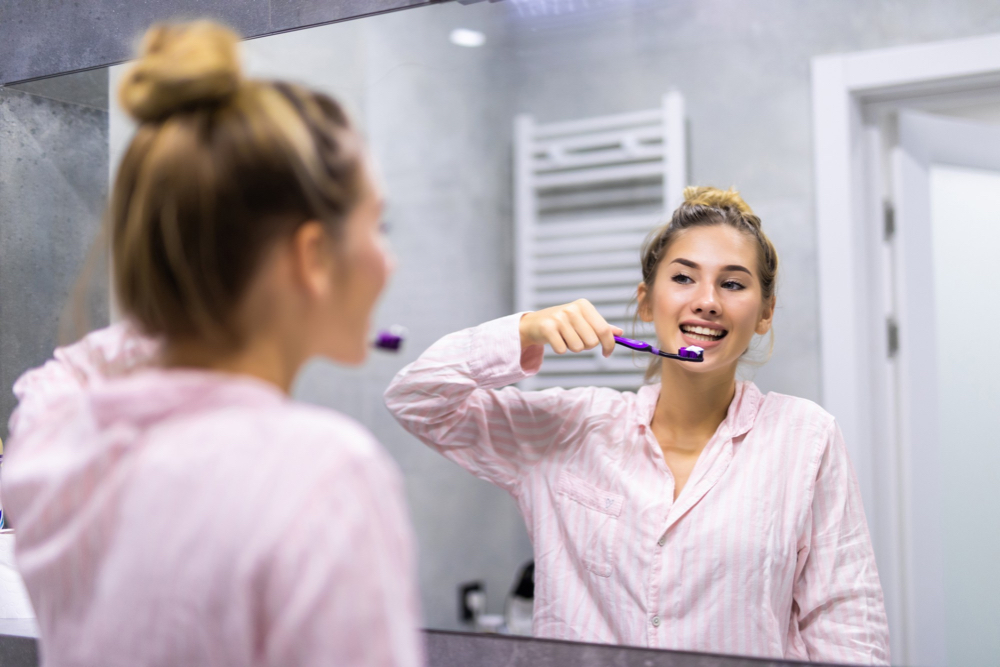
[[946, 192]]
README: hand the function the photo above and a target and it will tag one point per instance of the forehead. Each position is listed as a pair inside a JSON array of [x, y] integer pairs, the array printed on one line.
[[714, 246]]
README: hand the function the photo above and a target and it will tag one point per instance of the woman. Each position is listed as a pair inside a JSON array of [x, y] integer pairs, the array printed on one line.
[[173, 505], [695, 514]]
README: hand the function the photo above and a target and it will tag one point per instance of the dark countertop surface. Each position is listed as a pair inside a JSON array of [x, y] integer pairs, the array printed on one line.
[[462, 649]]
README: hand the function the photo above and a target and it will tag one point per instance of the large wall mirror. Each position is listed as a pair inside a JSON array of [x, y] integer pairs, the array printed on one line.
[[640, 97]]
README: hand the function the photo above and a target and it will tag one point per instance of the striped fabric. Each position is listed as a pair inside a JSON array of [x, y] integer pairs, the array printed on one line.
[[765, 552], [170, 517]]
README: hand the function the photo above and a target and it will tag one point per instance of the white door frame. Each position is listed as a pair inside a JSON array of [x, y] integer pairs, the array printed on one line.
[[853, 284]]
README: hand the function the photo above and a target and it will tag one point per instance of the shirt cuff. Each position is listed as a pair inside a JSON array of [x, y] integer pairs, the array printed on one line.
[[496, 356]]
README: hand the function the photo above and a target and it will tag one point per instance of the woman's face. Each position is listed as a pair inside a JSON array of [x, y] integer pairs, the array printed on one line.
[[706, 293], [359, 271]]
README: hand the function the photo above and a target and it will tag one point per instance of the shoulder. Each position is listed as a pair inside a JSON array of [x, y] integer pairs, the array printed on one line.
[[794, 412], [796, 433], [801, 428]]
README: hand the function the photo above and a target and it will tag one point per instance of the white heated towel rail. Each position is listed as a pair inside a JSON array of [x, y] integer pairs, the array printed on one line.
[[587, 192]]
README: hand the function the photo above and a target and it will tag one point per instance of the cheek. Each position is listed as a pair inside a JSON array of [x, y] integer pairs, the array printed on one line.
[[745, 313], [372, 266], [667, 301]]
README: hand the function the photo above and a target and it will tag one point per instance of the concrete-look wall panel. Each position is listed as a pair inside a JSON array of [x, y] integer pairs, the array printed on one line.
[[42, 39], [53, 187]]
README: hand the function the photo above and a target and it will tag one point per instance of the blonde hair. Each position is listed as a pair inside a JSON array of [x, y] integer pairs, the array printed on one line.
[[704, 207], [220, 168]]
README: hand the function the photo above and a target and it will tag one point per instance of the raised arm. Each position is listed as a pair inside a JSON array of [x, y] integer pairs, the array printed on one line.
[[455, 397], [837, 594], [101, 354]]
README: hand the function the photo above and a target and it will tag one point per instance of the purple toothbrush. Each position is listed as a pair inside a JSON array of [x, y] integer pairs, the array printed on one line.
[[391, 339], [690, 353]]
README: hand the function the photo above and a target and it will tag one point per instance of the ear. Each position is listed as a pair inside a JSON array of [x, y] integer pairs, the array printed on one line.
[[644, 309], [766, 317], [312, 259]]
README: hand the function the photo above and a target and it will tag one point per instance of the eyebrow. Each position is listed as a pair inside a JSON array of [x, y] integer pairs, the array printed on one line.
[[694, 265]]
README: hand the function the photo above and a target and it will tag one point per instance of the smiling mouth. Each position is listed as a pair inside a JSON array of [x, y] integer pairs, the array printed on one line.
[[704, 334]]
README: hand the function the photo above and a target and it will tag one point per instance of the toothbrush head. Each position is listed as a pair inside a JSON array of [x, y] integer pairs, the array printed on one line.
[[391, 339], [691, 352]]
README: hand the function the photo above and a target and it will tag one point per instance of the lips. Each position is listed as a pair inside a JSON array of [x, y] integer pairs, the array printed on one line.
[[703, 335]]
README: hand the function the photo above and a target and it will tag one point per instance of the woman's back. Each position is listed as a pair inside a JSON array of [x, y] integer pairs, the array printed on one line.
[[193, 517]]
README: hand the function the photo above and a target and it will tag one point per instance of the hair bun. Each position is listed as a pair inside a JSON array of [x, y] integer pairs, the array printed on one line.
[[181, 65], [716, 198]]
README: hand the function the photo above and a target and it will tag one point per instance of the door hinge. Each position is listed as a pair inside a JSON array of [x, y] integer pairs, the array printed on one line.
[[892, 336], [888, 220]]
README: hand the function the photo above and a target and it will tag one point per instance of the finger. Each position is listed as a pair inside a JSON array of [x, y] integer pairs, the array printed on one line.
[[604, 331], [572, 338], [550, 333], [584, 330]]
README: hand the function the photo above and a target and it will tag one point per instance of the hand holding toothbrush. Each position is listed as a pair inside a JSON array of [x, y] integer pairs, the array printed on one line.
[[578, 326], [572, 327]]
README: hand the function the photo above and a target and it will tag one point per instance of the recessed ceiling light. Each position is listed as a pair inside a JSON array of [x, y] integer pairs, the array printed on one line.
[[464, 37]]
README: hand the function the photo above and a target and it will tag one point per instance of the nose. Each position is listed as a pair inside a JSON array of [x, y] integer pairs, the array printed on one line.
[[706, 301]]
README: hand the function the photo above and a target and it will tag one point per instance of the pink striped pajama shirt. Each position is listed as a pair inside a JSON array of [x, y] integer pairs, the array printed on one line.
[[765, 552], [183, 517]]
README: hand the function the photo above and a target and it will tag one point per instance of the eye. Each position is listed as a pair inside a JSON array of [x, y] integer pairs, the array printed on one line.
[[682, 279], [734, 285]]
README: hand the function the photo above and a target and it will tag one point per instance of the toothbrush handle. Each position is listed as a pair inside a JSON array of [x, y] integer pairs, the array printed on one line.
[[639, 345]]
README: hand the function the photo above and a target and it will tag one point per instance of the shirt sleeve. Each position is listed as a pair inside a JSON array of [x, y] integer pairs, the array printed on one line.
[[451, 399], [838, 605], [341, 585], [101, 354]]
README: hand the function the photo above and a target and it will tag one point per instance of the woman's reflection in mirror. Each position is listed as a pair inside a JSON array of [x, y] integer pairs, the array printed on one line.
[[695, 514], [174, 505]]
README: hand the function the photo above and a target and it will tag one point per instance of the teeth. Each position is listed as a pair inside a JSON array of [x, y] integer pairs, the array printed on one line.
[[702, 331]]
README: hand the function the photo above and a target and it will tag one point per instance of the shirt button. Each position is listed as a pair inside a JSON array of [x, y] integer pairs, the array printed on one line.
[[656, 621], [642, 428], [662, 540]]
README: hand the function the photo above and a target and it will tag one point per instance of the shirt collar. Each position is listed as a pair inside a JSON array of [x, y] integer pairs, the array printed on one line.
[[739, 418]]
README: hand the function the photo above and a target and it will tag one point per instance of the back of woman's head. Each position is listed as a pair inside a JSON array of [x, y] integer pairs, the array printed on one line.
[[220, 168]]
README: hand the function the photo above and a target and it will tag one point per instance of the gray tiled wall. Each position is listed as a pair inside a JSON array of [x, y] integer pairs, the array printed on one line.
[[53, 185]]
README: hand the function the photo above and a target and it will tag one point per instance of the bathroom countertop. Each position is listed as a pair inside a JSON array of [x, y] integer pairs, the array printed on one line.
[[18, 648], [462, 649]]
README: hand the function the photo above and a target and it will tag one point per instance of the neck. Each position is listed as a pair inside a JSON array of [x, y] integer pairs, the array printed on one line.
[[692, 405], [262, 358]]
